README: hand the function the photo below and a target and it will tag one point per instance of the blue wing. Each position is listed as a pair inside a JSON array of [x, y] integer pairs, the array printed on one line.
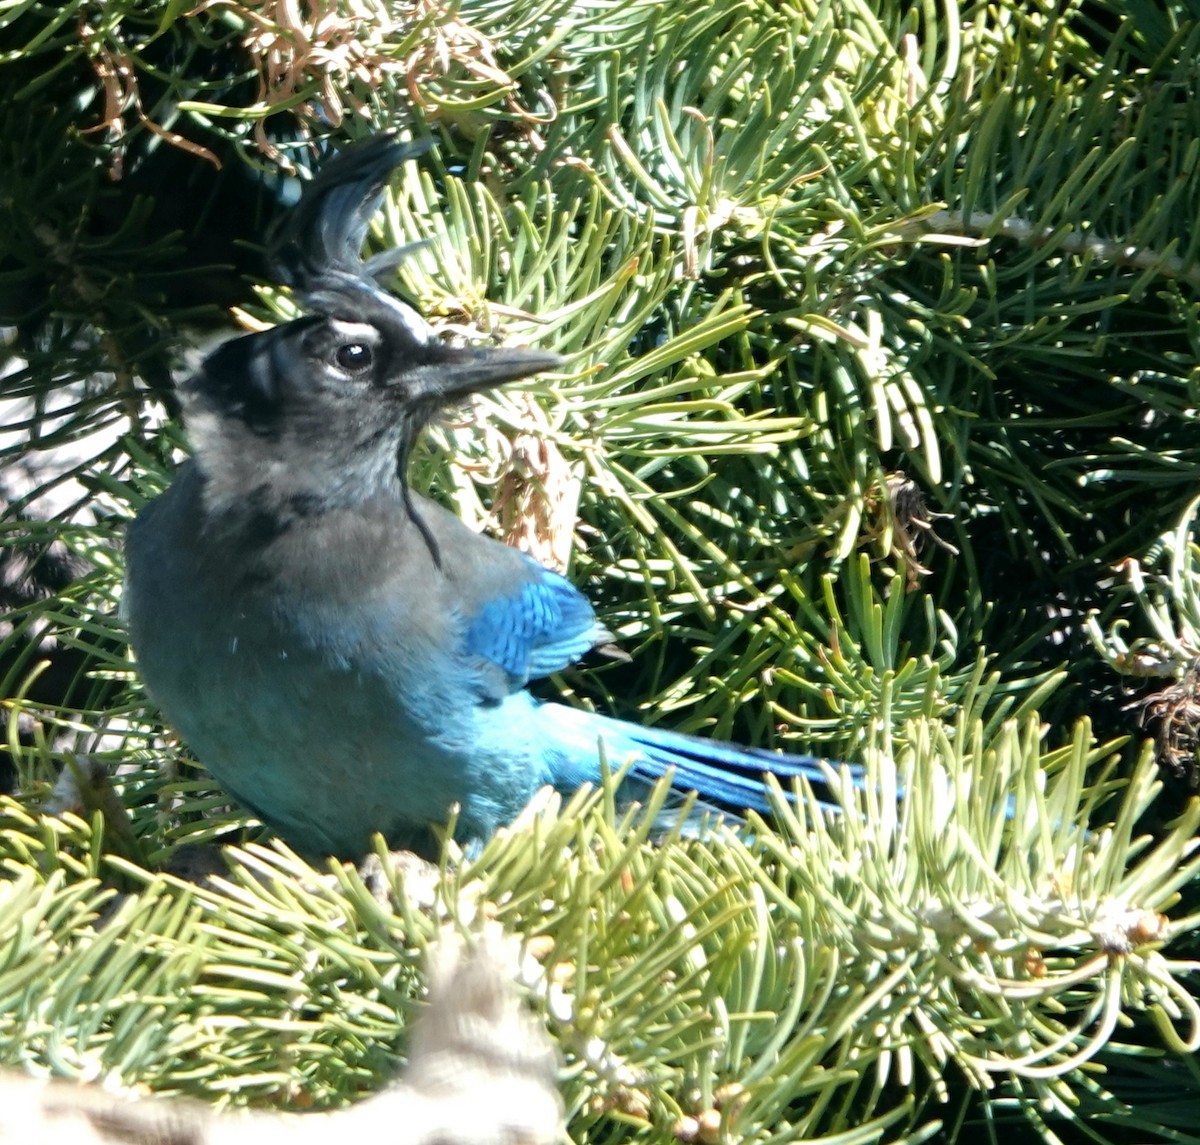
[[544, 627]]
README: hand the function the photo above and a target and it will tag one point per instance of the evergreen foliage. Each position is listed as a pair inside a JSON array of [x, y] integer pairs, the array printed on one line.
[[877, 437]]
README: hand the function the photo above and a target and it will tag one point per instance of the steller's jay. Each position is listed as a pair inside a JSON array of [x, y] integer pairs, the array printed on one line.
[[343, 654]]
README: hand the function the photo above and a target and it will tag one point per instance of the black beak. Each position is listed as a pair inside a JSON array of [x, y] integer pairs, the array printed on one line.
[[456, 372]]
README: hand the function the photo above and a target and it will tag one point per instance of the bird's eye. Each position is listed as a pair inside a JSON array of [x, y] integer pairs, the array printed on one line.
[[353, 357]]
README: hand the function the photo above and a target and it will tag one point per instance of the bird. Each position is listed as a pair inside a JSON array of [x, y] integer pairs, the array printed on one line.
[[345, 656]]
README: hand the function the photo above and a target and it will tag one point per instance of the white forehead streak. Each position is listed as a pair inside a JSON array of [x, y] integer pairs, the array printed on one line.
[[420, 330]]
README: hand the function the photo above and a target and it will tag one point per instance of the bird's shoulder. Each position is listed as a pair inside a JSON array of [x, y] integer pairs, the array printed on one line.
[[526, 618]]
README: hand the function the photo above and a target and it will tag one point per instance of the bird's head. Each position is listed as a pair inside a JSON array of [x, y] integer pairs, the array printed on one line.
[[323, 410]]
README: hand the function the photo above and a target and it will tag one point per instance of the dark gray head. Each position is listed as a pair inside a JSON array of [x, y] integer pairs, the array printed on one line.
[[328, 406], [323, 410]]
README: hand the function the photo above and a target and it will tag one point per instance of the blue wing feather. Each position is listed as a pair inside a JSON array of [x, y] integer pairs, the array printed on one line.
[[542, 628]]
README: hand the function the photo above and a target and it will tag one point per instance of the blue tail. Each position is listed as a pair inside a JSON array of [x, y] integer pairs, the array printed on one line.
[[724, 776]]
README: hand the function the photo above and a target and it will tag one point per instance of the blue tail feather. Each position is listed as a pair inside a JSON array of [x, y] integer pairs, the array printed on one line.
[[723, 775]]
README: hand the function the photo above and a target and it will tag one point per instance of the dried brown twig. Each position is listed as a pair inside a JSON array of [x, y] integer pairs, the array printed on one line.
[[906, 524]]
